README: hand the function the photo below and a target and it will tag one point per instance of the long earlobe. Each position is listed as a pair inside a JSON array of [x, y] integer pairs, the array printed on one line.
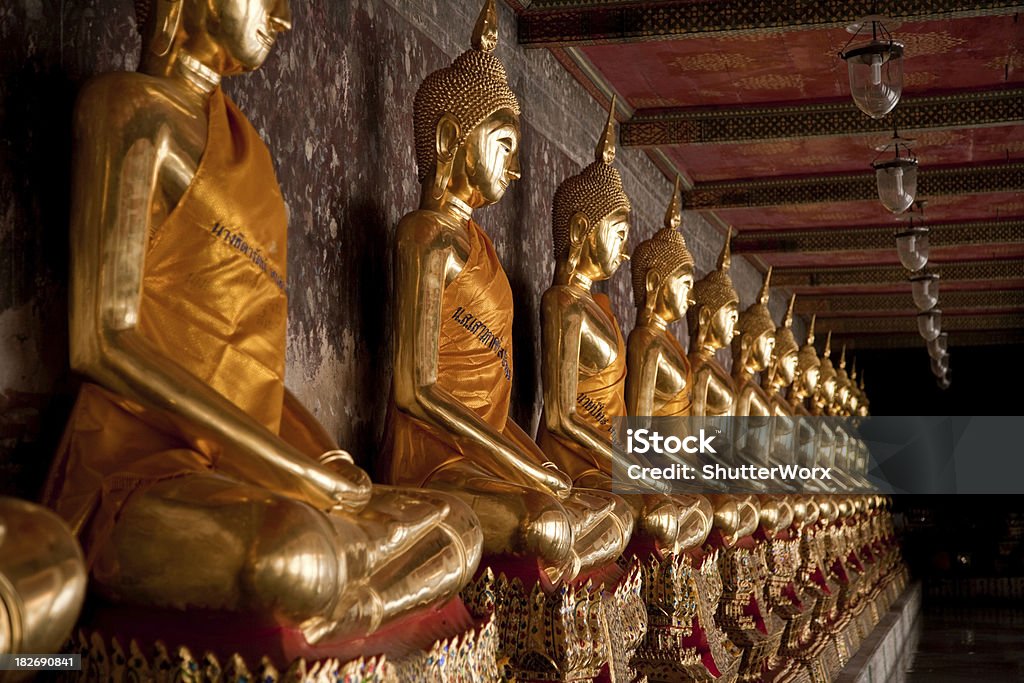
[[652, 283], [168, 18], [446, 142]]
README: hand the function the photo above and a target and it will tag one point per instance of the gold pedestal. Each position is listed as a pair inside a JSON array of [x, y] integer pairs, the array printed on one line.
[[564, 635], [681, 602], [469, 659]]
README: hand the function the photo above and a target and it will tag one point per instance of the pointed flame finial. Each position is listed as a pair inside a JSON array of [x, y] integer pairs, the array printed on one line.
[[828, 345], [853, 368], [674, 215], [842, 358], [810, 329], [485, 33], [862, 380], [787, 321], [762, 298], [725, 256], [606, 145]]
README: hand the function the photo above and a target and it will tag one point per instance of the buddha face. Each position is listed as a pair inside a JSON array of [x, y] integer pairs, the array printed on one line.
[[787, 368], [608, 243], [842, 394], [490, 157], [828, 390], [761, 352], [674, 295], [808, 381], [723, 325], [247, 29]]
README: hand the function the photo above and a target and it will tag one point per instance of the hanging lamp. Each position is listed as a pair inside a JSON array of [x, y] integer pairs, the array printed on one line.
[[896, 175], [925, 288], [875, 68]]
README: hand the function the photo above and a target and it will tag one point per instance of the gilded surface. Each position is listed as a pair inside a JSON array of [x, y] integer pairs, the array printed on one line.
[[187, 443], [449, 427]]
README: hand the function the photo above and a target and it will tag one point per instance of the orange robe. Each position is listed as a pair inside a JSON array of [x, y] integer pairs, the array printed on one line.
[[600, 397], [474, 365], [213, 301], [678, 405]]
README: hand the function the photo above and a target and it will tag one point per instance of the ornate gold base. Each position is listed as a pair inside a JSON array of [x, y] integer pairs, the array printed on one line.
[[683, 641], [564, 635], [471, 660]]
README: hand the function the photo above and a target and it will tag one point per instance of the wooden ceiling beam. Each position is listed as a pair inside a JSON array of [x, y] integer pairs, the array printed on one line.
[[842, 327], [1009, 269], [849, 187], [863, 238], [567, 23], [899, 304], [903, 340], [694, 126]]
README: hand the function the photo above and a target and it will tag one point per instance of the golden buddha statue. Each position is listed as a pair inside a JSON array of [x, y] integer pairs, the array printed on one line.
[[683, 591], [841, 400], [449, 426], [752, 353], [824, 395], [864, 409], [801, 392], [782, 369], [805, 375], [712, 323], [584, 366], [186, 443]]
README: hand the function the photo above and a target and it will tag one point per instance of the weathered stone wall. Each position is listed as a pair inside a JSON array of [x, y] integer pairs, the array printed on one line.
[[334, 103]]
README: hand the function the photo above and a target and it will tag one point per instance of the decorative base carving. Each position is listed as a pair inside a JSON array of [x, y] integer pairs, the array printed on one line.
[[469, 659], [557, 636], [627, 625], [683, 641]]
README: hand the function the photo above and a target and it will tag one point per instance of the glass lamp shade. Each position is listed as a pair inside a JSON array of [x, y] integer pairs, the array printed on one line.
[[912, 248], [940, 365], [925, 288], [943, 382], [876, 76], [897, 183], [937, 347], [929, 324]]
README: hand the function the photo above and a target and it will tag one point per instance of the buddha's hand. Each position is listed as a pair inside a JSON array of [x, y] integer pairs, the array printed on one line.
[[352, 487], [558, 481]]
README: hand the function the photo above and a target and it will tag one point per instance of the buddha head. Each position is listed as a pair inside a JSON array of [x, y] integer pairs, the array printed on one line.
[[712, 318], [805, 379], [842, 396], [225, 36], [853, 397], [755, 334], [466, 124], [863, 409], [783, 367], [590, 214], [826, 392], [662, 268]]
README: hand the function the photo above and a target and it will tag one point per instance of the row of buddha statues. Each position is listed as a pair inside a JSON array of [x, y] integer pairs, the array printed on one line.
[[194, 480]]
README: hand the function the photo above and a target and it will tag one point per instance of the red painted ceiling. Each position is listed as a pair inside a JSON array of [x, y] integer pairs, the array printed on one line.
[[802, 66], [939, 209], [803, 156]]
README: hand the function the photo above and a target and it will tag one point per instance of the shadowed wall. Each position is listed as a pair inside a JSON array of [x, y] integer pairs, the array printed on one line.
[[334, 104]]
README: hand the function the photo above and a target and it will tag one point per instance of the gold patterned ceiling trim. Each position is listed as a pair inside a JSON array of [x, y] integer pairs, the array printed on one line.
[[757, 124], [560, 23], [875, 237], [877, 275], [850, 187], [903, 340], [824, 306], [887, 325]]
